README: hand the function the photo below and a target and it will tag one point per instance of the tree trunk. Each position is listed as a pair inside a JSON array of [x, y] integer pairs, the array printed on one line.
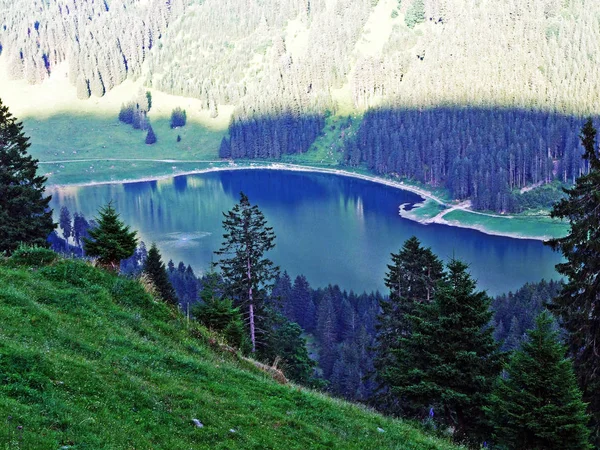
[[251, 307]]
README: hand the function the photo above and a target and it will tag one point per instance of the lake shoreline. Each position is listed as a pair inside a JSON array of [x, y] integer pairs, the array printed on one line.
[[426, 195]]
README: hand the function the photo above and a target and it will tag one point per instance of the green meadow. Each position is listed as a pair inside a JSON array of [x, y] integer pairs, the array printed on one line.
[[90, 360]]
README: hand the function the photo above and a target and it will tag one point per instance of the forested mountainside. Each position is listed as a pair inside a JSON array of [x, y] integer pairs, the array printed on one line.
[[441, 81], [255, 54]]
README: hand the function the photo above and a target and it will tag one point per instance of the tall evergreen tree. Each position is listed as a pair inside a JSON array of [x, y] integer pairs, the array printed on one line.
[[248, 273], [411, 278], [450, 360], [538, 404], [578, 305], [24, 213], [156, 270], [80, 228], [110, 241], [65, 224]]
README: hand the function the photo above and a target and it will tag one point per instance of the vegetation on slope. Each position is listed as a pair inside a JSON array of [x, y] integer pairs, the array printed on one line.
[[90, 360]]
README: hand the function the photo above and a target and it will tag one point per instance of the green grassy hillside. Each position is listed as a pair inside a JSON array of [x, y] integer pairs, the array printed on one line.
[[89, 360]]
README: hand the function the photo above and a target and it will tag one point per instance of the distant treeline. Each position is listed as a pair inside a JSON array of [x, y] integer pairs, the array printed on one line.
[[486, 155], [271, 137], [490, 156]]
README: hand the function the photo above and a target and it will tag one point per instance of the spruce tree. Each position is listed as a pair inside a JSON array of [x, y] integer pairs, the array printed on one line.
[[156, 270], [285, 340], [218, 313], [110, 241], [24, 213], [450, 359], [538, 405], [578, 305], [411, 278], [150, 137], [64, 222], [247, 272]]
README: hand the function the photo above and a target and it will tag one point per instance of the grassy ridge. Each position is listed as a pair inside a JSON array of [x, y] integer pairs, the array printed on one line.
[[89, 360]]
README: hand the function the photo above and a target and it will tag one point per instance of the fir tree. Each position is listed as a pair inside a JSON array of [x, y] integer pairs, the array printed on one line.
[[64, 222], [24, 213], [538, 404], [248, 273], [578, 305], [450, 360], [411, 279], [150, 137], [156, 270], [80, 228], [218, 313], [110, 241], [285, 340]]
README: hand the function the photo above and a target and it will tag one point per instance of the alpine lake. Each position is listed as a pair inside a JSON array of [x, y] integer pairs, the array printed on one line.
[[333, 229]]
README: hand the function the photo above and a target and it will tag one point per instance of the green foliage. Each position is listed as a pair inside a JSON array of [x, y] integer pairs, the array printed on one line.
[[248, 274], [543, 197], [578, 305], [33, 256], [111, 241], [178, 118], [538, 404], [24, 213], [102, 365], [218, 314], [285, 341], [450, 360], [415, 14], [156, 270], [412, 279], [127, 112], [150, 136]]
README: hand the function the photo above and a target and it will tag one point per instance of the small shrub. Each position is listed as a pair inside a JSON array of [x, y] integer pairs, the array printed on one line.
[[178, 118], [126, 113], [33, 256]]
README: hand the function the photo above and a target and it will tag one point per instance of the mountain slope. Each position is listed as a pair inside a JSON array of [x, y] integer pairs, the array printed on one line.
[[89, 360]]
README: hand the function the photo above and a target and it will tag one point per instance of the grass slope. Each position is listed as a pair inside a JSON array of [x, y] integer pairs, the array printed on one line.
[[89, 360]]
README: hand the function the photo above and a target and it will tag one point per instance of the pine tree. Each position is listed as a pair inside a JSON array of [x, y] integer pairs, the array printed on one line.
[[285, 340], [247, 272], [150, 137], [578, 305], [450, 360], [538, 405], [24, 213], [110, 241], [156, 270], [64, 222], [411, 279], [218, 313]]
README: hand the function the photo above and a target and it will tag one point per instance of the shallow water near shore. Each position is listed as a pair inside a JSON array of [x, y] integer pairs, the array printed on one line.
[[333, 229]]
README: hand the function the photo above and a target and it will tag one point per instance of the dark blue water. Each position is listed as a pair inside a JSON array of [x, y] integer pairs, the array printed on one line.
[[333, 229]]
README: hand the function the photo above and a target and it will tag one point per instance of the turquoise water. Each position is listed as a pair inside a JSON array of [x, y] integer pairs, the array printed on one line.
[[333, 229]]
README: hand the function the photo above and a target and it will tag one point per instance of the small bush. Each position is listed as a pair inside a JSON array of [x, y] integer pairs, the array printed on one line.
[[178, 118], [33, 256], [127, 113]]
